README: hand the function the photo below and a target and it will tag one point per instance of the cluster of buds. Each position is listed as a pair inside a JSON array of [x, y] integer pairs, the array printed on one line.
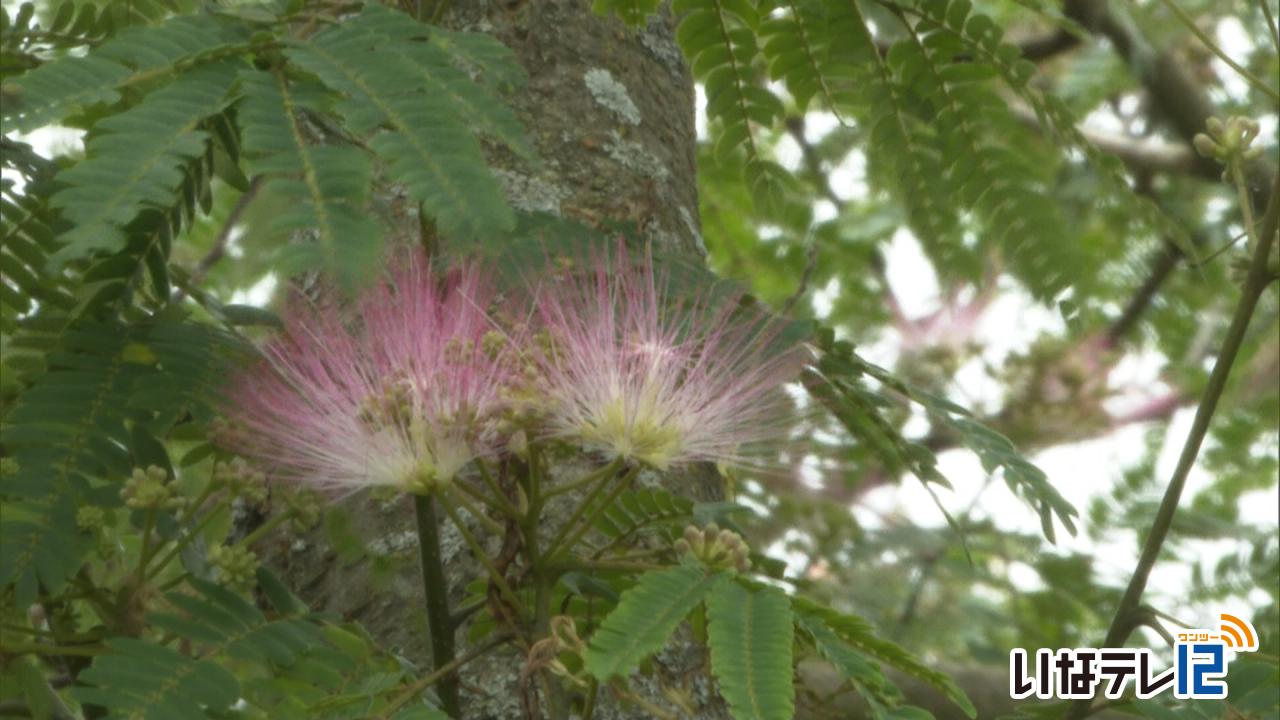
[[91, 518], [149, 489], [237, 566], [1230, 141], [243, 480], [715, 548], [305, 509]]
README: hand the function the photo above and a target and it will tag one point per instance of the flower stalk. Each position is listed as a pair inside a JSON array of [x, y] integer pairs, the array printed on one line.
[[435, 589]]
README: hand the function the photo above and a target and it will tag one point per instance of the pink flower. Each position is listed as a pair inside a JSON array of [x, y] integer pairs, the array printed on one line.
[[404, 390], [660, 377]]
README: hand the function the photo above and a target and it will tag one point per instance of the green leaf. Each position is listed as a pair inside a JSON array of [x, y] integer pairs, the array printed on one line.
[[325, 187], [750, 635], [859, 634], [136, 159], [644, 509], [56, 89], [426, 139], [141, 679], [719, 40], [645, 617]]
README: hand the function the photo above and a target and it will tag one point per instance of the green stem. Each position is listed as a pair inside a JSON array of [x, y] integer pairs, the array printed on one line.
[[558, 705], [145, 556], [1272, 29], [1246, 207], [209, 489], [1128, 614], [41, 649], [266, 527], [603, 472], [499, 497], [569, 536], [589, 704], [478, 550], [464, 498], [590, 565], [181, 545], [436, 591], [441, 674], [1191, 25]]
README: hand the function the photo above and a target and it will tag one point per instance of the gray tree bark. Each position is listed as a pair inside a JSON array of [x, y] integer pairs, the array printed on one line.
[[611, 112]]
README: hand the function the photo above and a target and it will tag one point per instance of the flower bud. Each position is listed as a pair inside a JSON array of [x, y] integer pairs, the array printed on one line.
[[237, 566], [91, 518], [1205, 145], [148, 490]]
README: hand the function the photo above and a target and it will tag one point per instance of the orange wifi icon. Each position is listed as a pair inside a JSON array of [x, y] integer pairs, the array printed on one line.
[[1238, 634]]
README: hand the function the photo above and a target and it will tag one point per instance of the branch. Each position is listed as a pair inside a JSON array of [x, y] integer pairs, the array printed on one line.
[[1162, 266], [1138, 154], [1179, 98], [219, 248], [813, 165], [1259, 277], [1182, 103]]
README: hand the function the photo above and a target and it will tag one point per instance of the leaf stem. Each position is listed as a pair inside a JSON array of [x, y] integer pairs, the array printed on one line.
[[478, 550], [569, 536], [145, 556], [1190, 24], [593, 476], [435, 589], [1246, 206], [439, 675], [498, 496], [181, 545], [1128, 614], [259, 532], [465, 498], [42, 649], [1272, 29]]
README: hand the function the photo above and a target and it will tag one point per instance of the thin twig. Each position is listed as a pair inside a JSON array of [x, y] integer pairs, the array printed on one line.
[[219, 248], [1190, 24], [1272, 29], [1128, 614], [438, 675], [803, 286]]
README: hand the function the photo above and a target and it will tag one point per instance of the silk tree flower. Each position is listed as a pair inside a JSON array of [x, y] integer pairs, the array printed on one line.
[[657, 377], [403, 390]]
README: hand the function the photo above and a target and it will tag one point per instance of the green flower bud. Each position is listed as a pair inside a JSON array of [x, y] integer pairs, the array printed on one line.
[[307, 508], [91, 518], [492, 343], [1205, 145], [715, 548], [237, 566], [148, 490], [243, 480]]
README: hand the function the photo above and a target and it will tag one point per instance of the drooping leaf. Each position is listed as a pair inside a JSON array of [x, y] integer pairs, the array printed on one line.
[[749, 631]]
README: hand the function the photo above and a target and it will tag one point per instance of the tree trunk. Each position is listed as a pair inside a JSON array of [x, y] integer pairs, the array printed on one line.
[[611, 113]]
